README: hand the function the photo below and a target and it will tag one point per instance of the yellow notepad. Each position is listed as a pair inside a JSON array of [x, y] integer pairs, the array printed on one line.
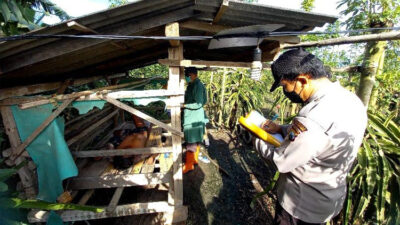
[[253, 122]]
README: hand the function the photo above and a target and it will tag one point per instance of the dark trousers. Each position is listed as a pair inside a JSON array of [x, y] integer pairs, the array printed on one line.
[[284, 218]]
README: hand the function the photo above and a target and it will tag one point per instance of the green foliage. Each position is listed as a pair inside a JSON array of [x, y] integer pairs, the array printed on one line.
[[42, 205], [17, 16], [116, 3], [8, 202], [307, 5], [155, 70], [364, 14], [374, 182], [239, 94]]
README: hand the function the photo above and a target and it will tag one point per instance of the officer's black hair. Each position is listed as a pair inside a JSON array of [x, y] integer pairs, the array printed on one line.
[[298, 61], [189, 70]]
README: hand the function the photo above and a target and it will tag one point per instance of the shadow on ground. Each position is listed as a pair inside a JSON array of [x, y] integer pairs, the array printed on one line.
[[215, 198]]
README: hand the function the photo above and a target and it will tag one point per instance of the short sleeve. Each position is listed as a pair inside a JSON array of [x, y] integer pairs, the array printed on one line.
[[306, 140]]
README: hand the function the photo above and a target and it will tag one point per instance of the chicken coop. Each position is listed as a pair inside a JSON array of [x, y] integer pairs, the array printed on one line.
[[71, 138]]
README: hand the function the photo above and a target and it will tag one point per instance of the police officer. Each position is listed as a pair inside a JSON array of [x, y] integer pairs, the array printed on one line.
[[320, 144]]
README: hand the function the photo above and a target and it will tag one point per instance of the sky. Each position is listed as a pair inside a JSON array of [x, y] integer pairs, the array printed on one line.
[[76, 8]]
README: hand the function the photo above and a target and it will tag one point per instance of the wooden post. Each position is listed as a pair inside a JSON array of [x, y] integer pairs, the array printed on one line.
[[26, 175], [175, 82]]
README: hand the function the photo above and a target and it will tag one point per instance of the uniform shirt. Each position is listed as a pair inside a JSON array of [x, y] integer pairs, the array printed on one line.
[[315, 162], [194, 117]]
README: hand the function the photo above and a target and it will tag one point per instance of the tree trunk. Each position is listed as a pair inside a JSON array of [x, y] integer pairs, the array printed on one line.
[[375, 92], [373, 53], [221, 104]]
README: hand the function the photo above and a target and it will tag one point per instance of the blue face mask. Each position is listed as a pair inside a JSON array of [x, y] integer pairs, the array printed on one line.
[[187, 79]]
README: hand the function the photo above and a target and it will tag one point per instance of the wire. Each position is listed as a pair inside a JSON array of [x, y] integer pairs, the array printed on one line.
[[189, 38], [108, 37]]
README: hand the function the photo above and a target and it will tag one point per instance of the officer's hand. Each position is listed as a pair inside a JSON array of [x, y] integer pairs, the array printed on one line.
[[271, 127]]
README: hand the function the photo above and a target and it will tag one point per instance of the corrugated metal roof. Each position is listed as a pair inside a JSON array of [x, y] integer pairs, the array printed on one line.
[[32, 61]]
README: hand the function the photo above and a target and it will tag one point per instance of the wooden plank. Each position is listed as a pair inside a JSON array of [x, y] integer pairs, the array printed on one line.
[[79, 27], [91, 128], [78, 94], [39, 129], [31, 102], [63, 87], [166, 161], [141, 115], [153, 140], [204, 26], [120, 152], [138, 166], [204, 63], [284, 39], [176, 82], [38, 88], [26, 175], [35, 216], [115, 199], [172, 30], [126, 180], [149, 165], [221, 11], [85, 198]]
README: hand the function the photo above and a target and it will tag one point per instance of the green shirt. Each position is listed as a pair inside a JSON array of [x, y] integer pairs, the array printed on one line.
[[194, 118]]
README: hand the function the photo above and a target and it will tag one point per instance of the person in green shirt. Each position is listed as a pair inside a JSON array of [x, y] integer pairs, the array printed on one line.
[[194, 117]]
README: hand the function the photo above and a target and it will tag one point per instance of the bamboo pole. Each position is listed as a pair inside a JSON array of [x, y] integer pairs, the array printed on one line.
[[394, 35]]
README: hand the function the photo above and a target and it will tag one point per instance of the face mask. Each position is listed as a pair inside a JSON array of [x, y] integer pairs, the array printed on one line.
[[292, 96], [187, 79]]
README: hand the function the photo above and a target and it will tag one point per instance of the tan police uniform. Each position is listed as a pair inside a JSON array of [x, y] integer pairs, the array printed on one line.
[[319, 149]]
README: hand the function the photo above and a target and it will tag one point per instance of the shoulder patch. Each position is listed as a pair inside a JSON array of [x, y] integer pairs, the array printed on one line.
[[295, 129]]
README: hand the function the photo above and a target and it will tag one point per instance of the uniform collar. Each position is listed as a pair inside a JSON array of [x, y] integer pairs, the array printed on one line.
[[322, 92]]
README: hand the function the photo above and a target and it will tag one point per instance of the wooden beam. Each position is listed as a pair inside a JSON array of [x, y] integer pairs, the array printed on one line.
[[111, 181], [204, 63], [172, 30], [176, 82], [38, 130], [81, 94], [121, 210], [95, 96], [284, 39], [91, 128], [120, 152], [79, 27], [203, 26], [26, 176], [141, 115], [115, 199], [221, 11], [85, 198], [38, 88]]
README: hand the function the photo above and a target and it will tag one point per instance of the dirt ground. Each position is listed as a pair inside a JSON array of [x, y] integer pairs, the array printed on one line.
[[216, 198]]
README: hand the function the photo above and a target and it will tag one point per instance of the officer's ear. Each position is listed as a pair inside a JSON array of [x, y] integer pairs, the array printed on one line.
[[304, 79]]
